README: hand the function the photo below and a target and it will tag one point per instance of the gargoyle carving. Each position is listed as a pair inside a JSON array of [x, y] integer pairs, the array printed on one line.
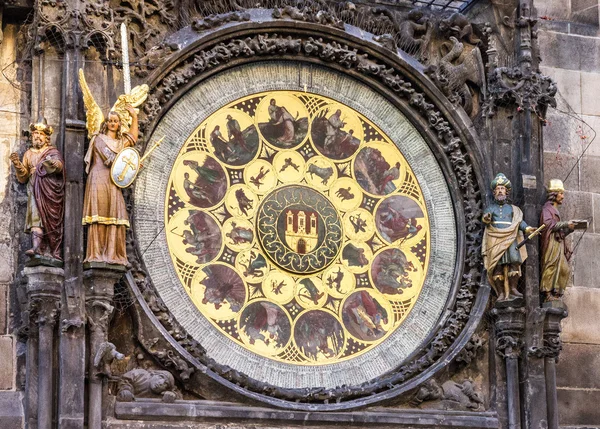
[[458, 69], [105, 355]]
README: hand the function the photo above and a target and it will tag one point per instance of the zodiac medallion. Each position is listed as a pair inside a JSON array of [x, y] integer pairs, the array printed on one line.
[[297, 228]]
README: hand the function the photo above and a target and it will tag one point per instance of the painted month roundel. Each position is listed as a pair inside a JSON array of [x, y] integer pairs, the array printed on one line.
[[305, 238], [297, 228]]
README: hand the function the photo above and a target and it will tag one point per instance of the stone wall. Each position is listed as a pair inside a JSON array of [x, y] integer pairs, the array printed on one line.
[[11, 117], [570, 51], [10, 140]]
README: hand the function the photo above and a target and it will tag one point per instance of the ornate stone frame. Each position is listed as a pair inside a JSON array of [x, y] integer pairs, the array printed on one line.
[[449, 134]]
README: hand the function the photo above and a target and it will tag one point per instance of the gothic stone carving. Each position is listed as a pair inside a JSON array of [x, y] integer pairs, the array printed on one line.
[[510, 86], [105, 355], [510, 325], [144, 383], [452, 394], [471, 350], [213, 21], [447, 46]]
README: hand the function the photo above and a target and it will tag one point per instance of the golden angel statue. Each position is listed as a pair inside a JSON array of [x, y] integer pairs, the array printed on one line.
[[104, 208]]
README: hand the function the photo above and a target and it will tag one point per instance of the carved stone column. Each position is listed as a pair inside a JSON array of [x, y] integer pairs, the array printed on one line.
[[99, 291], [44, 285], [555, 312], [510, 326]]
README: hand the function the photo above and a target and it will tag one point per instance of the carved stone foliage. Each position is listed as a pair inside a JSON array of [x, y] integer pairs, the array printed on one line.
[[148, 22], [65, 26], [217, 20], [552, 345], [510, 86], [99, 313], [96, 24], [447, 45], [510, 325], [44, 310], [452, 394], [471, 350], [267, 45]]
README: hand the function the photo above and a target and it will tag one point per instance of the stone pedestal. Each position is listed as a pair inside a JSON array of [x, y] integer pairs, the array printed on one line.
[[555, 312], [99, 285], [44, 285], [510, 326]]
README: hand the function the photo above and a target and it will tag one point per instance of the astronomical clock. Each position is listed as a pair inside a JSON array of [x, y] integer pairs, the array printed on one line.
[[305, 236]]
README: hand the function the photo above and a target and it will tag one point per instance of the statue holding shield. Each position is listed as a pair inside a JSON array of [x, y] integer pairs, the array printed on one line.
[[104, 209]]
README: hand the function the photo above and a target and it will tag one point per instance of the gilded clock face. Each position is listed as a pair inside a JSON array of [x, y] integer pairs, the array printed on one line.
[[297, 227]]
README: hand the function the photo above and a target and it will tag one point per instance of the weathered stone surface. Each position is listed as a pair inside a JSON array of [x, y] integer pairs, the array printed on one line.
[[3, 307], [569, 51], [590, 179], [578, 407], [379, 417], [568, 85], [585, 11], [577, 205], [585, 262], [595, 227], [590, 102], [576, 360], [567, 134], [11, 410], [584, 307], [557, 9], [7, 373], [558, 165], [589, 126]]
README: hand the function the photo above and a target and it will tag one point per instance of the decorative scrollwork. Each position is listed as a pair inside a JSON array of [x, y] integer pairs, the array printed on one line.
[[511, 87]]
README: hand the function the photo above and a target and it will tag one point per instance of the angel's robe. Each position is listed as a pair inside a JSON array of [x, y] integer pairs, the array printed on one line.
[[104, 208]]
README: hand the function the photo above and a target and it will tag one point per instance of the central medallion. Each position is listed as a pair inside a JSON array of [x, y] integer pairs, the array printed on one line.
[[299, 229]]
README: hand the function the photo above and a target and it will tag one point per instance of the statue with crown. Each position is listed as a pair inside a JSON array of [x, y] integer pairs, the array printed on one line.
[[42, 169]]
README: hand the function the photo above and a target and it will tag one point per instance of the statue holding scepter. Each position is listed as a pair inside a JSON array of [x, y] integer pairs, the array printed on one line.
[[42, 169]]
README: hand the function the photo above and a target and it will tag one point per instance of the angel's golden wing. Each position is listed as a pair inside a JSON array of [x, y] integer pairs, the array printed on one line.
[[136, 97], [93, 113]]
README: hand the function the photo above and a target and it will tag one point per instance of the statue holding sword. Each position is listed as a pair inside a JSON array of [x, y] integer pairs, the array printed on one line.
[[111, 163], [503, 239]]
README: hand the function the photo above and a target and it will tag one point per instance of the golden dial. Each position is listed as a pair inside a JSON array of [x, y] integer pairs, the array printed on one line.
[[297, 227]]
